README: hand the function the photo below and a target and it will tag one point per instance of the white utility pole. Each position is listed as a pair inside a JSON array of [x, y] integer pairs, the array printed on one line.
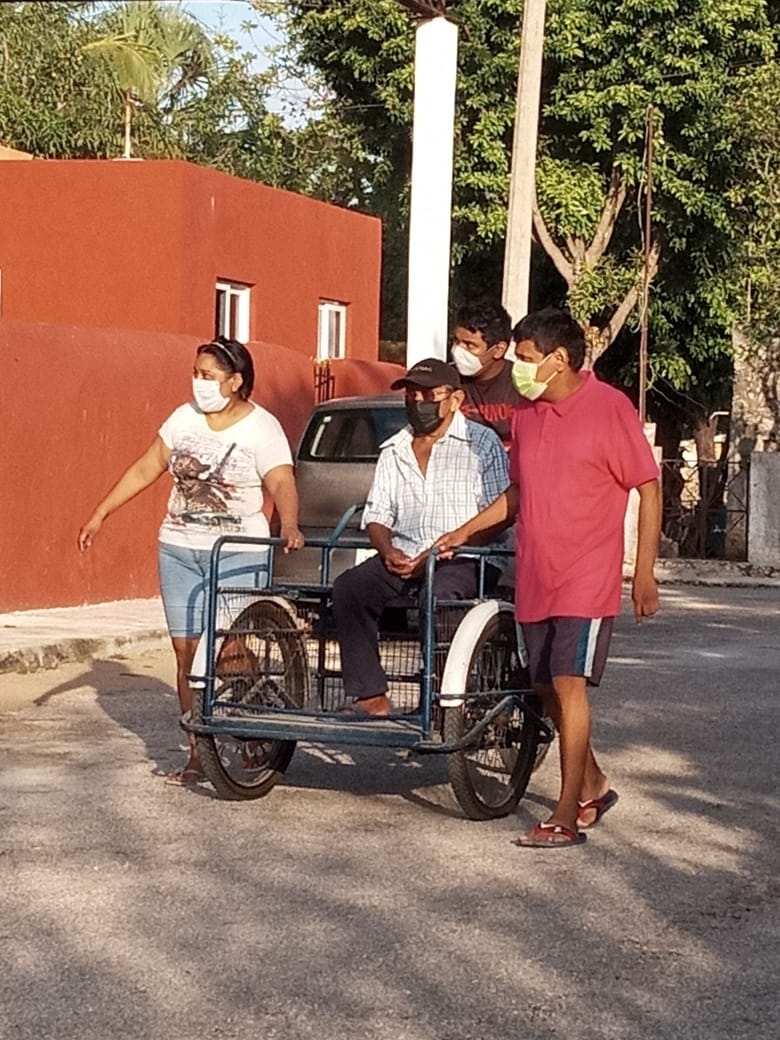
[[517, 250], [435, 68]]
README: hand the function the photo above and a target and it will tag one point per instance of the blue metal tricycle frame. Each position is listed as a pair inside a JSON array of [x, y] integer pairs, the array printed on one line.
[[415, 730]]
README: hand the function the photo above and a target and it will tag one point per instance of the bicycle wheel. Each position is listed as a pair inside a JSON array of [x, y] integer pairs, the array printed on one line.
[[262, 663], [490, 779]]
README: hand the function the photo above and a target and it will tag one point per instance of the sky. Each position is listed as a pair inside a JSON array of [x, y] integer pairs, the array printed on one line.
[[228, 15]]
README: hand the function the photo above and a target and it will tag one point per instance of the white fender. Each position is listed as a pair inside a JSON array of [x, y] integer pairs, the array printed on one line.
[[197, 677], [468, 632]]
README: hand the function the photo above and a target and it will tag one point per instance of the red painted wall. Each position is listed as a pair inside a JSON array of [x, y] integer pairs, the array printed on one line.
[[140, 245], [79, 405], [363, 377]]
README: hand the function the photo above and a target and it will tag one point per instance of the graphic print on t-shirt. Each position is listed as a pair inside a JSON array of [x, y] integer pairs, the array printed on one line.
[[492, 402], [200, 492], [218, 475]]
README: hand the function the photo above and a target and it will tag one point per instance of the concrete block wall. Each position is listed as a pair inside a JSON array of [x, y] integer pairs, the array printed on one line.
[[764, 522], [79, 405]]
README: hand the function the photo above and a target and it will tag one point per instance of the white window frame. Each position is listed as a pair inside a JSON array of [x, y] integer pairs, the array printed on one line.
[[330, 345], [234, 293]]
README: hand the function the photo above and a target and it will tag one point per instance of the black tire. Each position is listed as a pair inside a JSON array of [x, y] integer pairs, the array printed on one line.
[[489, 780], [262, 662]]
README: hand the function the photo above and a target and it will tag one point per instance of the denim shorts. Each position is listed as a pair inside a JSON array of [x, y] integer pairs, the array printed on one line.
[[184, 579]]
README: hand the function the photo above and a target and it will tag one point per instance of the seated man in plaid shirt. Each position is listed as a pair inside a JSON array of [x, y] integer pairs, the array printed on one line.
[[431, 477]]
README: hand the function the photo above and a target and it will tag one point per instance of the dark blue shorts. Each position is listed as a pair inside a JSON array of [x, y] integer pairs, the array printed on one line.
[[567, 646]]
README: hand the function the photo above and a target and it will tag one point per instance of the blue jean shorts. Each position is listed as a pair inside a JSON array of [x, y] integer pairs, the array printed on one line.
[[184, 579]]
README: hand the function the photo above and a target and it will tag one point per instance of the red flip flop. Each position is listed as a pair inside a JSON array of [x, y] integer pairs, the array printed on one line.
[[597, 805], [550, 836]]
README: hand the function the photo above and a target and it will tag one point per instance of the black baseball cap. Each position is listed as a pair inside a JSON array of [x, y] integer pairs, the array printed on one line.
[[429, 372]]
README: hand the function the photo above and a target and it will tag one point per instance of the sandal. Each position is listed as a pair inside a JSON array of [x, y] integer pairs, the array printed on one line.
[[184, 777], [550, 836], [597, 805]]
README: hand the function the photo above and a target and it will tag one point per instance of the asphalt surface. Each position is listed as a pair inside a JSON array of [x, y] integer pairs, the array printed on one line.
[[356, 902]]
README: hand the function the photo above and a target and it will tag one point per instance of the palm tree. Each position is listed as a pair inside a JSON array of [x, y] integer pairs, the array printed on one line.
[[156, 53]]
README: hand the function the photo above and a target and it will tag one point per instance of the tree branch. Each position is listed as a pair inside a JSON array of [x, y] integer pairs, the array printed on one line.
[[577, 250], [620, 315], [562, 265], [613, 204]]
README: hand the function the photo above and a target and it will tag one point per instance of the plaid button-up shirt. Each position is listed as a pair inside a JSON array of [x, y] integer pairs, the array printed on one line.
[[467, 470]]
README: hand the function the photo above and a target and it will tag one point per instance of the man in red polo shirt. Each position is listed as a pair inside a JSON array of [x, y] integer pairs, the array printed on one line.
[[577, 450]]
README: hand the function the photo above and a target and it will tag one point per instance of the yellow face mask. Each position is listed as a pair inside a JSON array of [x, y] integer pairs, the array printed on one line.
[[525, 381]]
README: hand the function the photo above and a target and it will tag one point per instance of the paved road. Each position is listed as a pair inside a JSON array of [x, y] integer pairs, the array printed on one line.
[[355, 902]]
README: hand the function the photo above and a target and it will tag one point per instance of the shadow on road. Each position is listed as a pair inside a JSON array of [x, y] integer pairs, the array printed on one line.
[[342, 907]]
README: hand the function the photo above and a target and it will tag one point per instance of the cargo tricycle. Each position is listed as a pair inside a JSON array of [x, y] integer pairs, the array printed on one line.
[[266, 675]]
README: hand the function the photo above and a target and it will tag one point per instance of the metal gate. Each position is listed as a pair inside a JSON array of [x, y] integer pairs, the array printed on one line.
[[706, 508]]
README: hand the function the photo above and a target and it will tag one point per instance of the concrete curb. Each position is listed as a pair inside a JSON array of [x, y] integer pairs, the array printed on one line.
[[52, 655], [724, 582], [711, 572]]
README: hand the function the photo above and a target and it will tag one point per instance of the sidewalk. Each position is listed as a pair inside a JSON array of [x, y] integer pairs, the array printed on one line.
[[34, 639]]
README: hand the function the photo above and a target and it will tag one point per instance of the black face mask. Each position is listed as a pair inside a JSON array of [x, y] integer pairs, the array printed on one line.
[[424, 416]]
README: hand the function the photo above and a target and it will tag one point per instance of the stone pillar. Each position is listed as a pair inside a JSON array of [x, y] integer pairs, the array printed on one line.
[[754, 427], [764, 526]]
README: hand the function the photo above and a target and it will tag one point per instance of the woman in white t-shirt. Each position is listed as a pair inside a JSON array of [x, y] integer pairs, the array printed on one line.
[[222, 452]]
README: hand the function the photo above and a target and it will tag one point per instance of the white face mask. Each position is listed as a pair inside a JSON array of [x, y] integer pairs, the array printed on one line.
[[208, 396], [524, 379], [467, 364]]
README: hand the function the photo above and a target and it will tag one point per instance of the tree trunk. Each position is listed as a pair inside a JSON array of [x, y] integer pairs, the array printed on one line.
[[704, 435], [128, 117], [571, 260]]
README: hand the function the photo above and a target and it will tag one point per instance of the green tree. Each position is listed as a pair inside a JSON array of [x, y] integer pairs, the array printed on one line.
[[357, 60], [604, 65], [756, 195], [605, 68], [205, 103], [64, 65], [53, 102], [156, 54], [755, 405]]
